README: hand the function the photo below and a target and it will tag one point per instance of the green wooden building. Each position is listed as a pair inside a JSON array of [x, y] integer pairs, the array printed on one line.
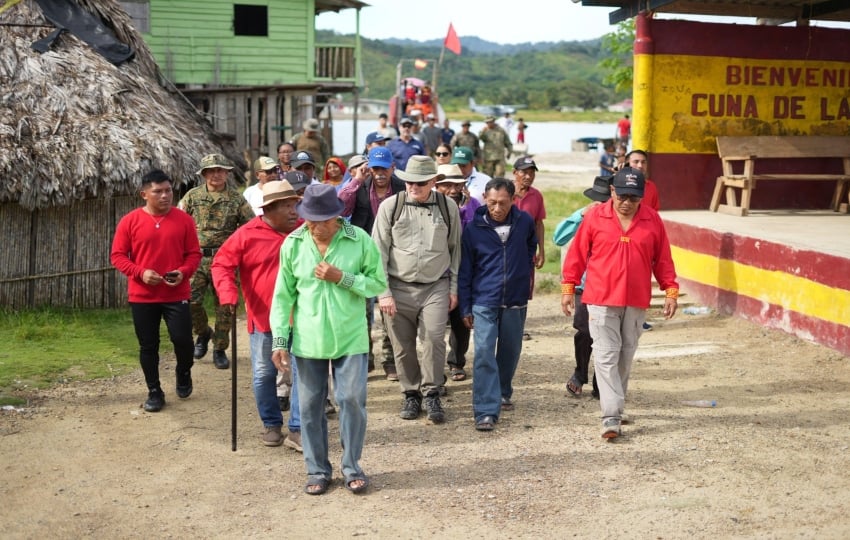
[[253, 68]]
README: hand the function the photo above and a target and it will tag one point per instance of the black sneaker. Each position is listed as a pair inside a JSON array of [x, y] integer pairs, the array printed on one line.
[[202, 344], [220, 360], [412, 408], [155, 401], [436, 415], [184, 384], [283, 401]]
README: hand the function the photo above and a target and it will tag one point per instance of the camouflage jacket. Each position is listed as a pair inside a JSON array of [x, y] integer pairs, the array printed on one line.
[[496, 142], [469, 140], [217, 215]]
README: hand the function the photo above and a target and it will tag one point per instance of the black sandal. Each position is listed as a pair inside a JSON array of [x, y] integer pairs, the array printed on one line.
[[319, 482], [574, 387]]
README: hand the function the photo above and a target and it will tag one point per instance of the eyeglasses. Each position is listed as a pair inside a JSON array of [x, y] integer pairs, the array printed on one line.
[[630, 198], [442, 154], [420, 184], [271, 171]]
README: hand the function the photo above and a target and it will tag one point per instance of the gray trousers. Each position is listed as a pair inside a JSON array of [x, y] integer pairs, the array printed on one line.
[[428, 305], [615, 332]]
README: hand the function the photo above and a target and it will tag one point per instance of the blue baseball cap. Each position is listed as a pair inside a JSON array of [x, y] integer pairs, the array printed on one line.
[[375, 137], [380, 157]]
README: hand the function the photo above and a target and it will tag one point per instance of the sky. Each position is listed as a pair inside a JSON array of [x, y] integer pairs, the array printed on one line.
[[496, 21]]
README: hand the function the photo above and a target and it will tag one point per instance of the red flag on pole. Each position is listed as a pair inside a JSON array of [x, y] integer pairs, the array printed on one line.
[[452, 42]]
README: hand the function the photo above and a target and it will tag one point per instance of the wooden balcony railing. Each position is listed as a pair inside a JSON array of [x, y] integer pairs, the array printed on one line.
[[335, 62]]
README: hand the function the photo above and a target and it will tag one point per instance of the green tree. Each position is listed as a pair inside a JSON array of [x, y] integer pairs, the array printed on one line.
[[619, 45]]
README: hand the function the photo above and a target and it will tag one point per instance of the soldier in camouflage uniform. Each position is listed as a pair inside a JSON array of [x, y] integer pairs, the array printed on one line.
[[496, 141], [468, 139], [218, 210], [310, 140]]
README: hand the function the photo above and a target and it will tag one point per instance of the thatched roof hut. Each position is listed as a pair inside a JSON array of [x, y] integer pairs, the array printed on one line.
[[74, 126], [77, 134]]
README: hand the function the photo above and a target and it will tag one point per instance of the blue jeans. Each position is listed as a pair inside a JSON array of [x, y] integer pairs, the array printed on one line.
[[265, 384], [349, 373], [498, 344]]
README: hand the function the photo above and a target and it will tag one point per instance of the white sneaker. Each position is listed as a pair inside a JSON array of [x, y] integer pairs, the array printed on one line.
[[611, 428]]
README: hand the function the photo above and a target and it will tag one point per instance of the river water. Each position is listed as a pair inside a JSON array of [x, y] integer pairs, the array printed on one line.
[[540, 137]]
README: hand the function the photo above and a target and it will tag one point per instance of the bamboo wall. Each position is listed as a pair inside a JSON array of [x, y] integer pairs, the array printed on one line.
[[60, 256]]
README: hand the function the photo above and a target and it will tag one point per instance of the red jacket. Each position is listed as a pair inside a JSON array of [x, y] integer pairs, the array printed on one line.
[[163, 243], [254, 249], [620, 265]]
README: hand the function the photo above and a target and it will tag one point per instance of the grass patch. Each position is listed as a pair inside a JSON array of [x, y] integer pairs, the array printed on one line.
[[58, 345]]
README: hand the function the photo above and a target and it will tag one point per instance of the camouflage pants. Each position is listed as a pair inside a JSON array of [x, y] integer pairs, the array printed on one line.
[[494, 168], [201, 281]]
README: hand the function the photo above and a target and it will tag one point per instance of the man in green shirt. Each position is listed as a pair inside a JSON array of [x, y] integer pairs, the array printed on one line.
[[218, 210], [328, 268]]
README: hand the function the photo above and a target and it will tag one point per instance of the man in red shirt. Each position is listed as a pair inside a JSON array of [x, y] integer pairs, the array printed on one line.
[[624, 130], [156, 247], [638, 159], [530, 200], [253, 251], [620, 244]]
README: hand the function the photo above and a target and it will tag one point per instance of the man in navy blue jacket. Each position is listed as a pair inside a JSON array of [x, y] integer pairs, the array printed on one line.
[[494, 281]]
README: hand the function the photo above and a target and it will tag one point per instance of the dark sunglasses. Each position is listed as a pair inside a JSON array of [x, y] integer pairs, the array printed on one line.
[[442, 154], [630, 198], [420, 184]]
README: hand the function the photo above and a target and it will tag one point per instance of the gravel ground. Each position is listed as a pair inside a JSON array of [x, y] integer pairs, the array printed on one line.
[[85, 461]]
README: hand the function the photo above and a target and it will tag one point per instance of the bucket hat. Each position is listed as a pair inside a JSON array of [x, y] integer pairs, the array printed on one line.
[[420, 169], [212, 161], [319, 203]]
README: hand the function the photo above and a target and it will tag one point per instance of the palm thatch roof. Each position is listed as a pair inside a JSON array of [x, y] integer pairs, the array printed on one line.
[[74, 126]]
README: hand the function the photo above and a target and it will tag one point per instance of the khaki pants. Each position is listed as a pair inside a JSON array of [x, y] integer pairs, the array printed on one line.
[[428, 305], [615, 332]]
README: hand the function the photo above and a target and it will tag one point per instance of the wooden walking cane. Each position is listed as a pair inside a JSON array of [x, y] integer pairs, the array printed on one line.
[[233, 381]]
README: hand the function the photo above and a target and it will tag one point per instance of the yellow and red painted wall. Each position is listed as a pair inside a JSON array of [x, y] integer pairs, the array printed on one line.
[[803, 292], [695, 81]]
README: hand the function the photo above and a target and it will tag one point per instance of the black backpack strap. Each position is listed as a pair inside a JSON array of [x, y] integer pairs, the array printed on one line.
[[444, 210], [399, 206]]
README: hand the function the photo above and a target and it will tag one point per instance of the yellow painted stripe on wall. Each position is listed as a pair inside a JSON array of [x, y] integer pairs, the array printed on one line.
[[780, 288], [692, 99]]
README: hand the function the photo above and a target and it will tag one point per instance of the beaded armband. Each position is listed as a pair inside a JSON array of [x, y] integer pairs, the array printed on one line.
[[568, 288], [672, 293]]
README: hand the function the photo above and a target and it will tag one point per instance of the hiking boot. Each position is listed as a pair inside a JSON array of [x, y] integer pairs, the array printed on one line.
[[272, 436], [283, 401], [202, 344], [611, 428], [220, 360], [155, 401], [436, 415], [184, 384], [293, 440], [412, 407]]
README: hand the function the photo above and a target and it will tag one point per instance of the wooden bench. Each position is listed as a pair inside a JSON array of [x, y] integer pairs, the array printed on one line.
[[749, 149]]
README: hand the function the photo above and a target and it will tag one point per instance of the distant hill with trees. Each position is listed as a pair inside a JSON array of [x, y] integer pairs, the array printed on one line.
[[541, 75]]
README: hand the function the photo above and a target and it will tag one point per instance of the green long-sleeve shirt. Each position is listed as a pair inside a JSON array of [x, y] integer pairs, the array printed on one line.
[[327, 319]]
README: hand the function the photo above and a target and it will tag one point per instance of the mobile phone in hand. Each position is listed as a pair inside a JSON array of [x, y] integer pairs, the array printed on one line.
[[171, 277]]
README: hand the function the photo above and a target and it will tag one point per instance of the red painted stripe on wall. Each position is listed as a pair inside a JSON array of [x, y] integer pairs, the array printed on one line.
[[774, 42], [823, 268], [686, 182], [826, 333]]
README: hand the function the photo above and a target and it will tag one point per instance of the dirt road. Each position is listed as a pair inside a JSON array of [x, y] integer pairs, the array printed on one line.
[[769, 461]]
